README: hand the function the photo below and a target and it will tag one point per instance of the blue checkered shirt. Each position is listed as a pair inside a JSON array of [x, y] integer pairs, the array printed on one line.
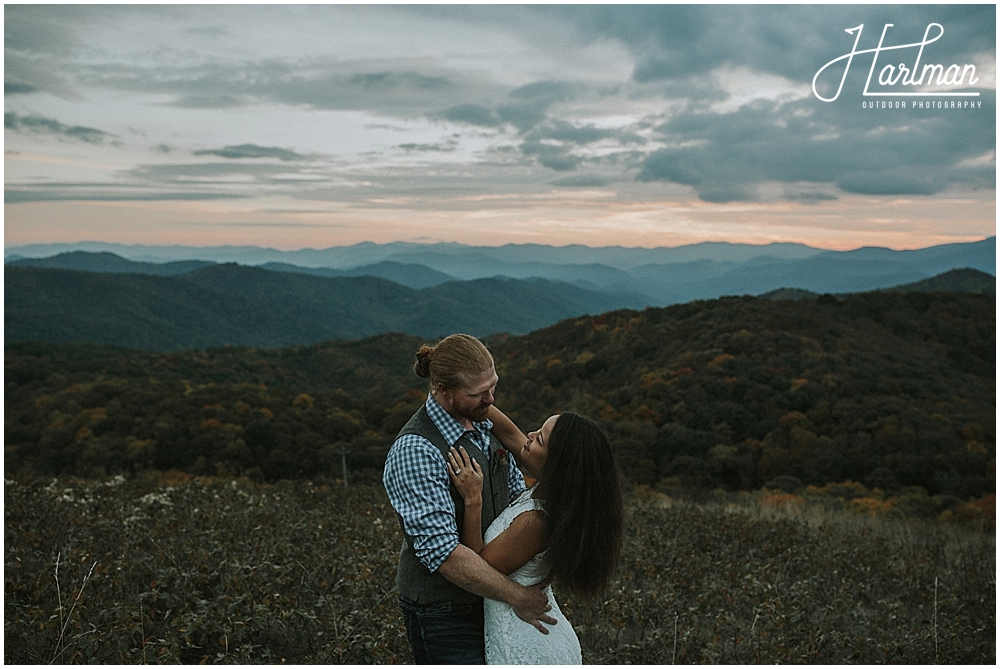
[[417, 482]]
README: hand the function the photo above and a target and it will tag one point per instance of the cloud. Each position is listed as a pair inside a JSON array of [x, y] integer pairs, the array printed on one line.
[[251, 151], [552, 156], [887, 183], [562, 131], [13, 88], [547, 92], [472, 114], [104, 193], [727, 156], [48, 126], [444, 147], [690, 99], [809, 197], [394, 81], [525, 107], [581, 181], [522, 116], [676, 41], [211, 101], [239, 174]]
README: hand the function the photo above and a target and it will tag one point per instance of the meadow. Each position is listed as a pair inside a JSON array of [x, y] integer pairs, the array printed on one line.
[[173, 568]]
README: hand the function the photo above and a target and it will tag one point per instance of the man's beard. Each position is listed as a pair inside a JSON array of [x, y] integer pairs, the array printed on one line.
[[476, 415]]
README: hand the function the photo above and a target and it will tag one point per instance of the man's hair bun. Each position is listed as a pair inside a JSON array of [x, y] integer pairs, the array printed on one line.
[[422, 366], [452, 362]]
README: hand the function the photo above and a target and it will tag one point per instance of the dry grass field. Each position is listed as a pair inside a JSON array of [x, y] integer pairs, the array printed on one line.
[[178, 569]]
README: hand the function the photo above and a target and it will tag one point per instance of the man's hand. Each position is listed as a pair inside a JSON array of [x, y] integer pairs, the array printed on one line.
[[532, 607]]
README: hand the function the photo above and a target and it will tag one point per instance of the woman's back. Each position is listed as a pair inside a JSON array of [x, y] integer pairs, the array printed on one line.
[[510, 640]]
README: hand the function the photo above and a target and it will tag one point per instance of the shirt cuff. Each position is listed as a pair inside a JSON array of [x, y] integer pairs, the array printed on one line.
[[435, 558]]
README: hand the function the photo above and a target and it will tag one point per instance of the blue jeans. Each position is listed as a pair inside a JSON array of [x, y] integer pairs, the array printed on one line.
[[444, 633]]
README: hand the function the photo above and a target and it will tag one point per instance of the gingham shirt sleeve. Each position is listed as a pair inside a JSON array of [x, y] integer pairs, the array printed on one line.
[[417, 483], [515, 481]]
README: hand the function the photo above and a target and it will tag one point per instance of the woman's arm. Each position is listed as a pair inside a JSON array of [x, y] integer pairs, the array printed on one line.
[[468, 478], [526, 537], [509, 435]]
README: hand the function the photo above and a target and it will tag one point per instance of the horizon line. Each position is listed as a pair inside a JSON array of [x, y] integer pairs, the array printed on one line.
[[8, 248]]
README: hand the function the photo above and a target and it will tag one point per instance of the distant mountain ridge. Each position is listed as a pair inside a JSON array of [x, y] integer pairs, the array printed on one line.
[[368, 253], [232, 304], [651, 277], [109, 263]]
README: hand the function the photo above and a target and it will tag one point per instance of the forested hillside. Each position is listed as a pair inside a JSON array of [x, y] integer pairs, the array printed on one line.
[[888, 389], [231, 304]]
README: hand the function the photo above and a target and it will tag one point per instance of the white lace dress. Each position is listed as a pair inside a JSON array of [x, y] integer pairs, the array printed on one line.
[[510, 640]]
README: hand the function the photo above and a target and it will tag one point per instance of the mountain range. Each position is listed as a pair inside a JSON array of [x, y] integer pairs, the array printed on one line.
[[233, 304], [183, 304], [633, 276]]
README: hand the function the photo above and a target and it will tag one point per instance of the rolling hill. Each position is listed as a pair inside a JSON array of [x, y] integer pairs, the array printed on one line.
[[232, 304], [648, 277], [891, 389]]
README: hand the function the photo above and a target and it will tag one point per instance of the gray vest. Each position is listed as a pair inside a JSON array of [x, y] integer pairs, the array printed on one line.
[[415, 581]]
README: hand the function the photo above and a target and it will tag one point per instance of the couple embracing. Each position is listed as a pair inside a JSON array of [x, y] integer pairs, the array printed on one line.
[[480, 550]]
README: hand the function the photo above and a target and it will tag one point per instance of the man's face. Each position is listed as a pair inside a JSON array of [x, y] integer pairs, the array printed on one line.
[[473, 401]]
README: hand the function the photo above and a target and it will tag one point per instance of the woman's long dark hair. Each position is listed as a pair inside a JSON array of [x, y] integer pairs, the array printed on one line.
[[580, 484]]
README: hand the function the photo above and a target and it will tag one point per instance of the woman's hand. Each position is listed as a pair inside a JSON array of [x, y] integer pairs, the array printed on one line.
[[467, 476]]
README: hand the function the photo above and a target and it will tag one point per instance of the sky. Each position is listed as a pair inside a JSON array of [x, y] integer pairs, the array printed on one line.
[[311, 126]]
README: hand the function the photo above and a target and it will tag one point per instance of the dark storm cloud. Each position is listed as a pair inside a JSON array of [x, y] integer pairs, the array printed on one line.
[[251, 151], [48, 126]]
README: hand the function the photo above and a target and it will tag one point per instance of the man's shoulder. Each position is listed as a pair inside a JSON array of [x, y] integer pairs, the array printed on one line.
[[411, 440], [414, 423]]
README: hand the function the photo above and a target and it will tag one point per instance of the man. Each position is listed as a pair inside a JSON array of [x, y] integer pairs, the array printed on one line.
[[442, 582]]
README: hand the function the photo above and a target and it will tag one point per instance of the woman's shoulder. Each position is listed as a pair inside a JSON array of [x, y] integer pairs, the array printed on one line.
[[530, 522], [527, 500]]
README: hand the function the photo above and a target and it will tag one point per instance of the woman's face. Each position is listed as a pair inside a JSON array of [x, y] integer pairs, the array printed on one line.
[[536, 449]]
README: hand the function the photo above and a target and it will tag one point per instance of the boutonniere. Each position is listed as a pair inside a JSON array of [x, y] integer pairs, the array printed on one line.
[[502, 454]]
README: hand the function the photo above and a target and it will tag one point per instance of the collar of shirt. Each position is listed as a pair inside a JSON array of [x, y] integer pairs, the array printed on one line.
[[452, 430]]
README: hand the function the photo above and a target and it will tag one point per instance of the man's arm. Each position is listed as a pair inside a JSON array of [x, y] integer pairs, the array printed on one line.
[[507, 432], [470, 572], [416, 481]]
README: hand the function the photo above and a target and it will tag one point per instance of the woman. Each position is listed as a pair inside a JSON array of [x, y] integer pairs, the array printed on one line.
[[566, 529]]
